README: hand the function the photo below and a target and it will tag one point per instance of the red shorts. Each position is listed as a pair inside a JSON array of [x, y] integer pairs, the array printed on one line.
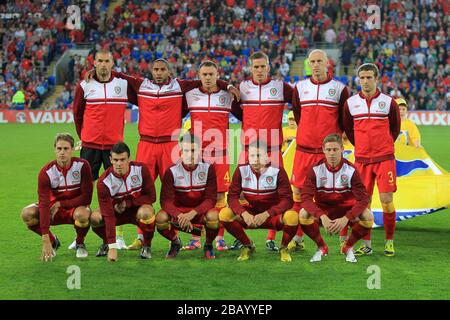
[[222, 167], [127, 217], [62, 216], [275, 157], [303, 163], [198, 220], [158, 156], [382, 172], [273, 223], [335, 212]]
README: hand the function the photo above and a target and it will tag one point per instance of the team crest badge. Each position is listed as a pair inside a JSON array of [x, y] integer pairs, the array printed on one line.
[[273, 92], [76, 175], [201, 175], [382, 104], [222, 100], [117, 90], [135, 179], [269, 180], [344, 179], [332, 92]]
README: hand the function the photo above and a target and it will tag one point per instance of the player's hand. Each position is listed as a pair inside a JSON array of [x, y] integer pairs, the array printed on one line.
[[184, 220], [89, 75], [54, 209], [120, 207], [338, 224], [249, 219], [261, 218], [47, 250], [235, 92], [112, 255], [326, 222]]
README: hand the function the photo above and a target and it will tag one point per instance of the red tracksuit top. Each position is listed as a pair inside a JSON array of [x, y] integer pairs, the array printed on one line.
[[372, 126], [183, 188], [99, 111], [263, 106], [161, 106], [318, 109], [211, 111], [269, 191], [334, 187], [72, 187], [136, 188]]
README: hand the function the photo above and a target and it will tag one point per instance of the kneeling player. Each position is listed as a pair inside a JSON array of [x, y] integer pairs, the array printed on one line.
[[65, 191], [334, 194], [126, 192], [188, 197], [268, 192]]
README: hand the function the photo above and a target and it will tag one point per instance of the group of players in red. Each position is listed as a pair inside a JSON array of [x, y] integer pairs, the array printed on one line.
[[195, 173]]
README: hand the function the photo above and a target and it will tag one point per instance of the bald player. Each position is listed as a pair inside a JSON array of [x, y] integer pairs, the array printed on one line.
[[318, 104]]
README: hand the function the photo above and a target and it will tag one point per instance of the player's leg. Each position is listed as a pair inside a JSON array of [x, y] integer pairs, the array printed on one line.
[[30, 216], [81, 217], [386, 181], [168, 231], [360, 228], [389, 221], [98, 227], [146, 221], [233, 224], [223, 184], [290, 223], [368, 178], [212, 228], [220, 204], [312, 230]]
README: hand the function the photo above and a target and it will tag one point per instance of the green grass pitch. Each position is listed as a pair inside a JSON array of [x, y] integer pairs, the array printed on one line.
[[420, 269]]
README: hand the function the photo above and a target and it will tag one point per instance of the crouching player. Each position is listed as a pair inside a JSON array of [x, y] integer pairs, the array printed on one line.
[[65, 191], [126, 192], [334, 194], [188, 198], [268, 192]]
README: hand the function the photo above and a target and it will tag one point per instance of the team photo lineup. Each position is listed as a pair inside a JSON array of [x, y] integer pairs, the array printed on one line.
[[229, 138]]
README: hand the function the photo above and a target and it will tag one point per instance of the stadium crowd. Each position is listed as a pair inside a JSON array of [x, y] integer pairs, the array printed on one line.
[[410, 49]]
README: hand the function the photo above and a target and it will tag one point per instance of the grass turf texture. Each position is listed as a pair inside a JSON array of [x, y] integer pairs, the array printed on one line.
[[418, 271]]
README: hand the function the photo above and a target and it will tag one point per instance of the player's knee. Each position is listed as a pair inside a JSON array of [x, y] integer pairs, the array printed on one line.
[[291, 218], [212, 219], [29, 216], [305, 218], [162, 221], [388, 207], [146, 214], [96, 219], [226, 215], [82, 215]]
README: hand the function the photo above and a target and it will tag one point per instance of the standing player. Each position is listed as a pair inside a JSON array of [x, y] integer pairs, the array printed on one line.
[[263, 100], [267, 190], [409, 133], [317, 104], [126, 193], [65, 192], [372, 123], [209, 107], [99, 114], [188, 196], [334, 194], [160, 117]]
